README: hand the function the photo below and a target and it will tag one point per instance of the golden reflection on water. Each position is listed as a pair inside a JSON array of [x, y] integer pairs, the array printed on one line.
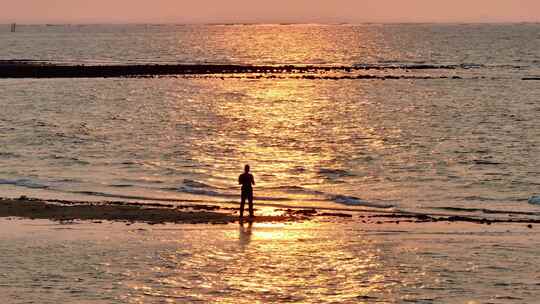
[[292, 261], [244, 234], [305, 44], [269, 123], [275, 232], [290, 126], [293, 133], [304, 262]]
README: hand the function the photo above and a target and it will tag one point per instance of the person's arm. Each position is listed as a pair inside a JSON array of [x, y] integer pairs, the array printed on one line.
[[252, 180]]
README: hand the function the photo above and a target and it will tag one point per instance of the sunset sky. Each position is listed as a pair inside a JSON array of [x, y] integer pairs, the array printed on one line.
[[324, 11]]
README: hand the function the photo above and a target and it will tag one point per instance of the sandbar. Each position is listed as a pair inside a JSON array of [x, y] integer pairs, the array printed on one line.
[[161, 213]]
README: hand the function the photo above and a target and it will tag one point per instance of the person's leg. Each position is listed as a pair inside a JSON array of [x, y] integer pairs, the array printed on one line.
[[250, 201], [242, 203]]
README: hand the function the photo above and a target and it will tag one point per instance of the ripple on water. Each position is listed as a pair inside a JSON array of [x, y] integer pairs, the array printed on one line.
[[303, 262]]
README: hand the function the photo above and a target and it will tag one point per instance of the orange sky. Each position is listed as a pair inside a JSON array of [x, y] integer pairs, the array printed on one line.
[[330, 11]]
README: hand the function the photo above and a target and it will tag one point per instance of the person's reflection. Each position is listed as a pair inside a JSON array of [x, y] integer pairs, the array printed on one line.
[[245, 233]]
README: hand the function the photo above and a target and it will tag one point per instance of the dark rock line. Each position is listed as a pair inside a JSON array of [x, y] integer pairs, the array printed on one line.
[[37, 70]]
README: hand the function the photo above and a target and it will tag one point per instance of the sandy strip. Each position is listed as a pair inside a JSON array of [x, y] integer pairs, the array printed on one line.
[[160, 213], [65, 211]]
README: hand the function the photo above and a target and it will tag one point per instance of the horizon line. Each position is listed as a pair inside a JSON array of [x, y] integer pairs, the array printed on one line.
[[267, 23]]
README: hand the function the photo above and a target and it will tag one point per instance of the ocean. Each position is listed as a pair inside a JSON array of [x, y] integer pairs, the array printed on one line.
[[292, 263], [429, 118], [443, 120]]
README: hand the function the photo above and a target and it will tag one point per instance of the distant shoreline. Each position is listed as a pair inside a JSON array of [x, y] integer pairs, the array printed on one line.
[[43, 69], [33, 68]]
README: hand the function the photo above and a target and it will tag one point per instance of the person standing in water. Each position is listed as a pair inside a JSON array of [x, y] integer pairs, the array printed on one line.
[[247, 181]]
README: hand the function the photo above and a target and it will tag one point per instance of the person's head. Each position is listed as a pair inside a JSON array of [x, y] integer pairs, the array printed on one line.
[[246, 168]]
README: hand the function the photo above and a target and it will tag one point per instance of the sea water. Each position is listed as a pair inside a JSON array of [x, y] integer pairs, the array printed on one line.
[[457, 131], [285, 263]]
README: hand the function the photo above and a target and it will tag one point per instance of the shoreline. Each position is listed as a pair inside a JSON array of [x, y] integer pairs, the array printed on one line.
[[65, 211]]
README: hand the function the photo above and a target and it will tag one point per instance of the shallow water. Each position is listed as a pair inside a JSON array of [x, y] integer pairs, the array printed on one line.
[[472, 45], [412, 144], [310, 262]]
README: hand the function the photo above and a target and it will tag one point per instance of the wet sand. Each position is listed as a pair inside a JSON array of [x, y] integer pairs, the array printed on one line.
[[65, 211], [151, 213], [160, 213]]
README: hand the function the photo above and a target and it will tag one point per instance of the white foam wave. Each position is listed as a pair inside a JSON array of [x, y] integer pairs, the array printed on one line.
[[535, 200], [23, 182]]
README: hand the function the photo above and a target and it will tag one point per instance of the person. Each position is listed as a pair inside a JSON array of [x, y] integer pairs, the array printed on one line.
[[247, 181]]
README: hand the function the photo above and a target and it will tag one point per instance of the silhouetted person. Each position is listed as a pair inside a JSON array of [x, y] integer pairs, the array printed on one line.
[[247, 181]]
